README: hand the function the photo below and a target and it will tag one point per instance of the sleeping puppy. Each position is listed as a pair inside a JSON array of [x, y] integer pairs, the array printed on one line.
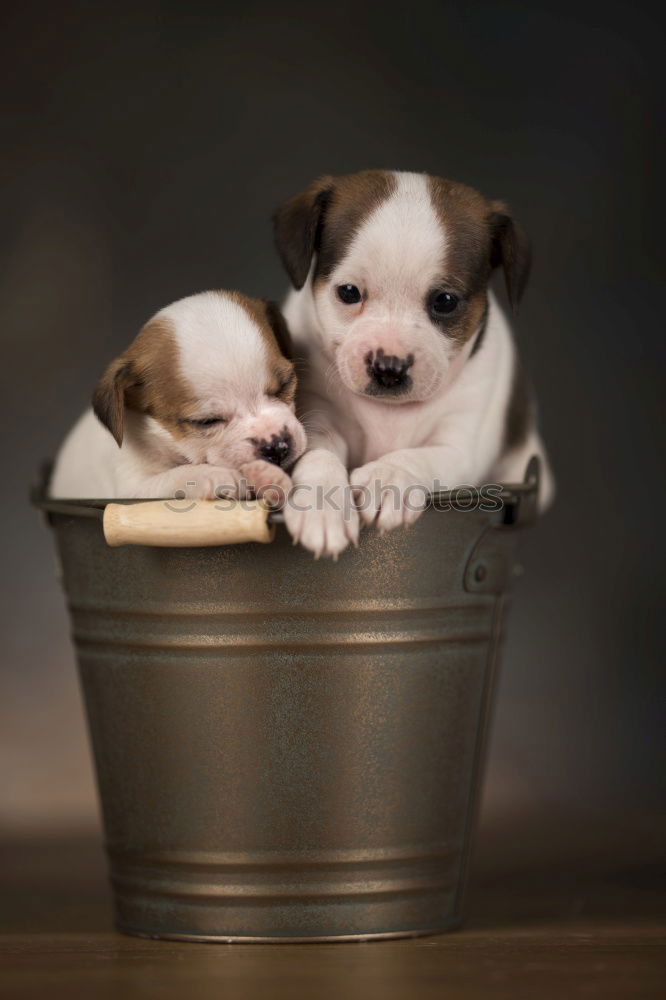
[[413, 376], [200, 402]]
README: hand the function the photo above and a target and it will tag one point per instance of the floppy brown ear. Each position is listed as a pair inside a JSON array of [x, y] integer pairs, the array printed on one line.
[[108, 399], [297, 225], [510, 248], [278, 325]]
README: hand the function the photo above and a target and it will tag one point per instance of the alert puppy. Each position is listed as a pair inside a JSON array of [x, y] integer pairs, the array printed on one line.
[[202, 400], [413, 377]]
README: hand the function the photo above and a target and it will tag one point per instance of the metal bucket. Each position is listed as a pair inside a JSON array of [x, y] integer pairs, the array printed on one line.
[[289, 749]]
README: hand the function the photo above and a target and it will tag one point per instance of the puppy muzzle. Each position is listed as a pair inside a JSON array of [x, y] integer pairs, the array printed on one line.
[[394, 374], [276, 449], [388, 374]]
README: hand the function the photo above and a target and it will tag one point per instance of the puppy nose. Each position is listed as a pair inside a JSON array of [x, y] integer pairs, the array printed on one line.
[[276, 450], [388, 371]]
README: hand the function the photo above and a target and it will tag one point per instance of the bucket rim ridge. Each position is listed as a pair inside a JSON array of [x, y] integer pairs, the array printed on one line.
[[519, 500]]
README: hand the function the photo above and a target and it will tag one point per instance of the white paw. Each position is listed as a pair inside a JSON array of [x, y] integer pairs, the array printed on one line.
[[328, 523], [267, 481], [202, 482], [387, 495]]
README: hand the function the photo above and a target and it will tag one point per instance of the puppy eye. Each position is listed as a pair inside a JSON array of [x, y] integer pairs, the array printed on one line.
[[349, 294], [285, 385], [443, 303], [207, 422]]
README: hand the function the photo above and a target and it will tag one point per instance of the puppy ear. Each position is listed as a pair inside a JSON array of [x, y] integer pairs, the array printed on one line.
[[297, 225], [510, 248], [278, 325], [108, 399]]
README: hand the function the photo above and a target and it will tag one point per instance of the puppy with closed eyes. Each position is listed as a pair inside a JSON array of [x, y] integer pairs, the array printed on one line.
[[413, 378], [200, 402]]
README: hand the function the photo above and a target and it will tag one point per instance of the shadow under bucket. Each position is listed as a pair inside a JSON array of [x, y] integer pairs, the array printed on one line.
[[289, 749]]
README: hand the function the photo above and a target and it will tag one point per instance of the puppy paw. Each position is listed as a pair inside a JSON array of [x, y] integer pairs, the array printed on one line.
[[198, 482], [267, 481], [387, 495], [325, 521]]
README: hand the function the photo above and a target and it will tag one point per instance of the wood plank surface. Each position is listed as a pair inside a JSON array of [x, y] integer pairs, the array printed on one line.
[[575, 913]]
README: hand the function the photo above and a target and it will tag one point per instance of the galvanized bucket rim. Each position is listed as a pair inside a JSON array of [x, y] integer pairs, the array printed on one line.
[[519, 500]]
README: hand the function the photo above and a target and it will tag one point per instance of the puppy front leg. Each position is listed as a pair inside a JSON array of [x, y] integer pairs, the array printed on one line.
[[393, 490], [267, 481], [192, 482], [320, 513]]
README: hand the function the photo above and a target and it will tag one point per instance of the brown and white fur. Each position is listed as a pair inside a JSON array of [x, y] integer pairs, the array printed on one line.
[[200, 402], [395, 395]]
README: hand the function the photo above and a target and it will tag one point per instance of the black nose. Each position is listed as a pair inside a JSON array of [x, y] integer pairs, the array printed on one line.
[[276, 450], [388, 373]]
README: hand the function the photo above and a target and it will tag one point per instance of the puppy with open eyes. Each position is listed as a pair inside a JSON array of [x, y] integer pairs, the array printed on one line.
[[202, 400], [413, 377]]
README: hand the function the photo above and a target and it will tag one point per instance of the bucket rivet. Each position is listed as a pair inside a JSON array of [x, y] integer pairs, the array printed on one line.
[[480, 573]]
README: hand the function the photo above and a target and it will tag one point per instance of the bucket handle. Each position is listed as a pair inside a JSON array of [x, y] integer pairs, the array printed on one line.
[[183, 523], [187, 523]]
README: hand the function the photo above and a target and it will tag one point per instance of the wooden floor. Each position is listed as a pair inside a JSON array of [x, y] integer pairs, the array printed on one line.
[[558, 913]]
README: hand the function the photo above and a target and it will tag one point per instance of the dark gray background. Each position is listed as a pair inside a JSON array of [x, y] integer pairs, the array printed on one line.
[[144, 148]]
